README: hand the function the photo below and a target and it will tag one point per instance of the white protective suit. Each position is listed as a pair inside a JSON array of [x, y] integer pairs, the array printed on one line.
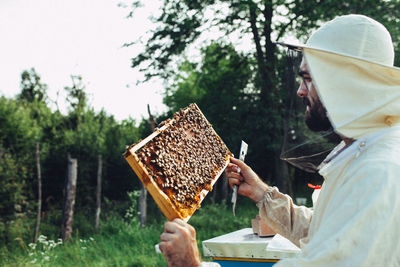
[[356, 221]]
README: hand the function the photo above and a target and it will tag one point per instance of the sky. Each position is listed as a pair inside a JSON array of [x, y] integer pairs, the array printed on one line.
[[78, 37]]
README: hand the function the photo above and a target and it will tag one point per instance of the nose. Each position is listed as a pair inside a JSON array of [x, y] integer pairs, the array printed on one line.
[[303, 90]]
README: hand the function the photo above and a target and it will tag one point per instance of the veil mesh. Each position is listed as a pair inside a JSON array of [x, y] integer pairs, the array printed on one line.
[[301, 147]]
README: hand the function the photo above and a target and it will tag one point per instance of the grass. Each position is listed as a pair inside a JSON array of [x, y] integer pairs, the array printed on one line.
[[117, 243]]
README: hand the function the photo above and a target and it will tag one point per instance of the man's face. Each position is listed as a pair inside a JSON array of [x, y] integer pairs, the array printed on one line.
[[316, 118]]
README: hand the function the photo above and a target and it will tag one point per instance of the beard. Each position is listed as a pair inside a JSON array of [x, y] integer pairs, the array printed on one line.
[[316, 118]]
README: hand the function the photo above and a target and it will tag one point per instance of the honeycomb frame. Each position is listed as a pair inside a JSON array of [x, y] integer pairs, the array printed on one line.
[[164, 197]]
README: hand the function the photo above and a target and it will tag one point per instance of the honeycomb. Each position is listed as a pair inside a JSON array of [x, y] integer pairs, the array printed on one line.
[[184, 159]]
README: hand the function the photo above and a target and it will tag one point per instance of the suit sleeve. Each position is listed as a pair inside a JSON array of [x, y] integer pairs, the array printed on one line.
[[279, 212]]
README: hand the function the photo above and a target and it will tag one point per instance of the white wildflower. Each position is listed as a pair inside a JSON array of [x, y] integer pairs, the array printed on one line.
[[52, 244], [42, 238]]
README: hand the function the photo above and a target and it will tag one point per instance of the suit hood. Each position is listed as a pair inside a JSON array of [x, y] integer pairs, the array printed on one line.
[[350, 60]]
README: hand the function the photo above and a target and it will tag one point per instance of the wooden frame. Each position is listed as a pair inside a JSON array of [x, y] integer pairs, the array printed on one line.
[[166, 206]]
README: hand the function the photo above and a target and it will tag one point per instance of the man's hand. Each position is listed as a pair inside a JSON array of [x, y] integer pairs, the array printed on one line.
[[250, 185], [178, 244]]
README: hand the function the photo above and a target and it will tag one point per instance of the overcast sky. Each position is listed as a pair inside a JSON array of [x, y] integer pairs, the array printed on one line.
[[77, 37]]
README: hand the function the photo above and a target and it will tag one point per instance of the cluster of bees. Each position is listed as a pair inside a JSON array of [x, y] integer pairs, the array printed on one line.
[[185, 157]]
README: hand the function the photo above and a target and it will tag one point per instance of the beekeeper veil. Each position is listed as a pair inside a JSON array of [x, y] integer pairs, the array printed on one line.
[[350, 60]]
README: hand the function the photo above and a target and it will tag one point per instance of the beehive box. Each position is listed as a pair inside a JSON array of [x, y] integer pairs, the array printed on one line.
[[180, 162]]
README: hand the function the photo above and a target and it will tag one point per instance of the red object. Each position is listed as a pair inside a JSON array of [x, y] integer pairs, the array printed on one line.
[[314, 186]]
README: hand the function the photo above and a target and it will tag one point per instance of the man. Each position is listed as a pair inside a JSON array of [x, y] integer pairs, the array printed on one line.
[[349, 83]]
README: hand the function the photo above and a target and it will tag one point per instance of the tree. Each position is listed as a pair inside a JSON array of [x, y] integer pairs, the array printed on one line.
[[76, 96], [84, 133], [32, 89], [183, 22], [18, 136], [220, 85]]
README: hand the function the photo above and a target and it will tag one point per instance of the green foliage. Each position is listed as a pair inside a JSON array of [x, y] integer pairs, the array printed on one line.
[[182, 22], [18, 136], [219, 85], [18, 132], [117, 243], [82, 133], [262, 116], [76, 95], [223, 222], [13, 186], [32, 89], [131, 214]]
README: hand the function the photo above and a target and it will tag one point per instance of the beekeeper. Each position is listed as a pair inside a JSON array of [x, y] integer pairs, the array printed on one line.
[[348, 83]]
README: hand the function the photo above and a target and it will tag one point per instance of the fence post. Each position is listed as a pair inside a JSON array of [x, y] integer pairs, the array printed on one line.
[[39, 184], [98, 192], [68, 214]]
